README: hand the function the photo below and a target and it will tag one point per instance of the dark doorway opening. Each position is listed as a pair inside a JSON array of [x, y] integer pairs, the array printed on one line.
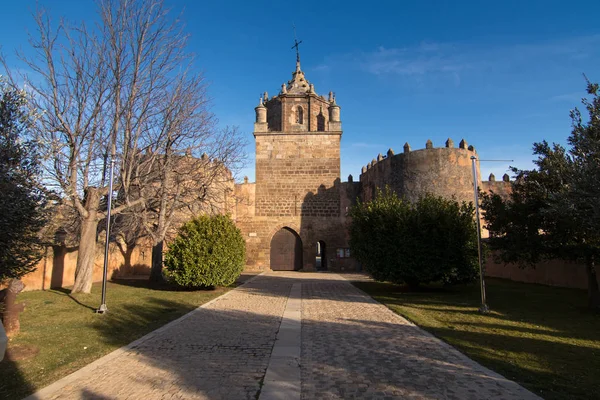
[[286, 250], [321, 258]]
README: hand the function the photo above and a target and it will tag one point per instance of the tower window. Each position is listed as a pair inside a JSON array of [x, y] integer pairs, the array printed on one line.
[[321, 122], [300, 115]]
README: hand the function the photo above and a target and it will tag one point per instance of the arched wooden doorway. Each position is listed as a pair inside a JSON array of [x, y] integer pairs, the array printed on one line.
[[286, 250]]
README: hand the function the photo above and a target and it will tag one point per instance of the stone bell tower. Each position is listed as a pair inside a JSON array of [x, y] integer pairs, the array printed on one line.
[[297, 135], [297, 108]]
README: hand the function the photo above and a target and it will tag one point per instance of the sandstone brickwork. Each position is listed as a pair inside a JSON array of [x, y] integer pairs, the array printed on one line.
[[444, 171], [298, 187], [299, 190]]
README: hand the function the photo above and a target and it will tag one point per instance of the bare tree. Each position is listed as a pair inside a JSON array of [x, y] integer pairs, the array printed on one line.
[[112, 90], [187, 184], [186, 166]]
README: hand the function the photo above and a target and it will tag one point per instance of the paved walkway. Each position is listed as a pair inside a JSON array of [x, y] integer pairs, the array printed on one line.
[[287, 336]]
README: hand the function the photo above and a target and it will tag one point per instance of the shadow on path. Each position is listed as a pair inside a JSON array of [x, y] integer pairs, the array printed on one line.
[[223, 351]]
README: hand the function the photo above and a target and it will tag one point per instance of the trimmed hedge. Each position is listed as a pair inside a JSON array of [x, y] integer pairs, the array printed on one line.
[[208, 251], [432, 240]]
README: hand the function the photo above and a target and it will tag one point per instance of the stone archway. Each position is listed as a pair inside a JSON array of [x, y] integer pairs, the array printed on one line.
[[286, 250]]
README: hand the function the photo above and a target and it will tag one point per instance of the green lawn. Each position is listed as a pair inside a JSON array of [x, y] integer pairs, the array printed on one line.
[[69, 335], [542, 337]]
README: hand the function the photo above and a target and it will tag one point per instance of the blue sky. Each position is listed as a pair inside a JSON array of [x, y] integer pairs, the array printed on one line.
[[500, 74]]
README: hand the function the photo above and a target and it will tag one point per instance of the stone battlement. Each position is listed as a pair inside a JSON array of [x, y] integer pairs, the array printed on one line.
[[444, 171], [407, 149]]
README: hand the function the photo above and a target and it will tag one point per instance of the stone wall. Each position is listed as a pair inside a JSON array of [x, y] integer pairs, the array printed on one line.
[[502, 188], [445, 171], [331, 229], [295, 175], [57, 267], [552, 272]]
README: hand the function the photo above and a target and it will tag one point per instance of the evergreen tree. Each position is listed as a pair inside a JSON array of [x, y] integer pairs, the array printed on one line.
[[22, 198], [554, 210], [432, 240]]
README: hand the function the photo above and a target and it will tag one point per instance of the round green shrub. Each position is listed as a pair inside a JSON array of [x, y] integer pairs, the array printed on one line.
[[432, 240], [208, 251]]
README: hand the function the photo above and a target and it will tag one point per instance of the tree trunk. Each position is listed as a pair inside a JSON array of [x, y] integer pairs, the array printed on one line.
[[157, 263], [126, 251], [87, 244], [127, 258], [592, 278], [11, 310]]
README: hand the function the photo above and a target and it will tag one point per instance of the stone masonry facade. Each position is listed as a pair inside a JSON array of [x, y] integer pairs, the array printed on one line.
[[295, 215]]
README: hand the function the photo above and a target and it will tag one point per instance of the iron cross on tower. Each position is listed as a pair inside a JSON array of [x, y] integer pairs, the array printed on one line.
[[296, 45]]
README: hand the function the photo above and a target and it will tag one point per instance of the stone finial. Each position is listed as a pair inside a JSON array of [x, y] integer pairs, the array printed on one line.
[[266, 96], [379, 157], [506, 178], [429, 144], [350, 178], [390, 152], [261, 111], [364, 169], [406, 147], [462, 144], [492, 178], [204, 156], [283, 88], [471, 148], [311, 88], [245, 179], [188, 152], [449, 143], [330, 97]]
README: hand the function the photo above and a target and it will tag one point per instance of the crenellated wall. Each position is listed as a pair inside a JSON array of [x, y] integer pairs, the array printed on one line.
[[444, 171], [502, 188]]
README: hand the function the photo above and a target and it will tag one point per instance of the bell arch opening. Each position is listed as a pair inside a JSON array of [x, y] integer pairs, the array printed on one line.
[[300, 115], [321, 122]]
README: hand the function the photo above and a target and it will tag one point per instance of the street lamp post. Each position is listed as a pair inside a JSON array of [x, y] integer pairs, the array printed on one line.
[[103, 309], [484, 307]]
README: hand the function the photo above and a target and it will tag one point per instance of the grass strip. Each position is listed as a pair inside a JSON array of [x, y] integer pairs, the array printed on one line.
[[545, 338], [60, 332]]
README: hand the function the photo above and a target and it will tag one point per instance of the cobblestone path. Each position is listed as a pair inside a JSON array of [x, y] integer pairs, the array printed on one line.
[[219, 352], [351, 348], [356, 348]]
